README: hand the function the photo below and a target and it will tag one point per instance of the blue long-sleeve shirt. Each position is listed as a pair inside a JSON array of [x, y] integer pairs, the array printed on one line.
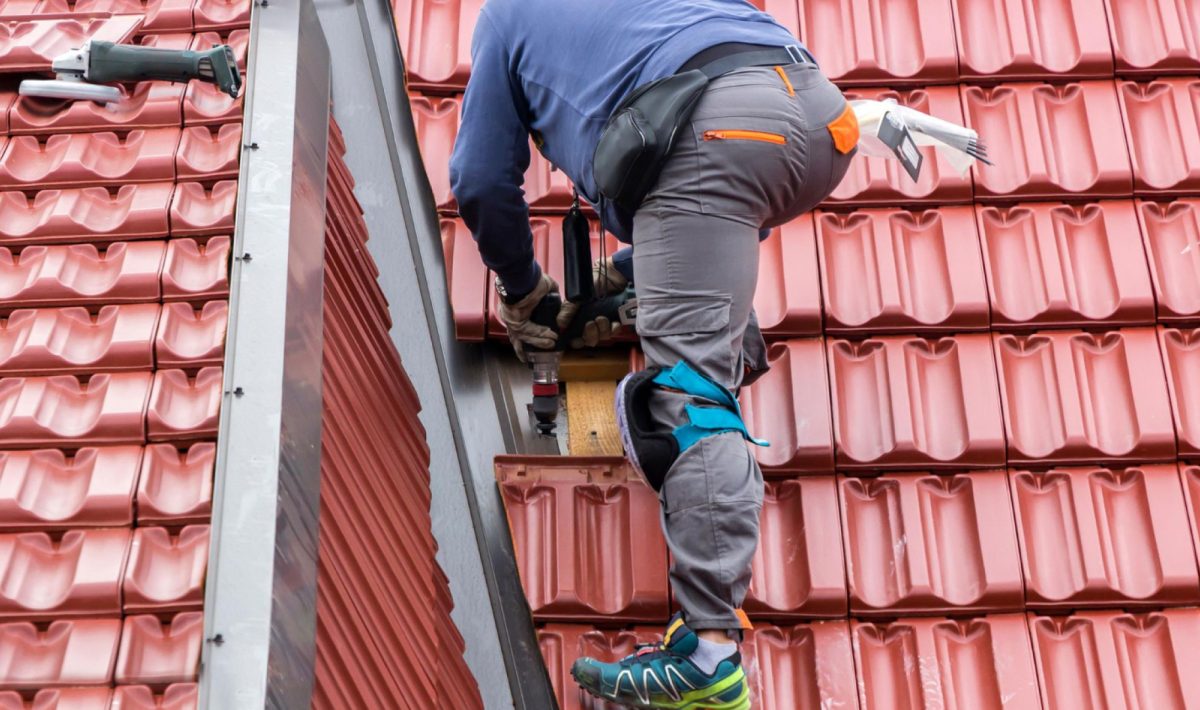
[[556, 69]]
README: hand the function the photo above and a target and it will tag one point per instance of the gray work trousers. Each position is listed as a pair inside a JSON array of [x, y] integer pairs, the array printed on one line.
[[696, 241]]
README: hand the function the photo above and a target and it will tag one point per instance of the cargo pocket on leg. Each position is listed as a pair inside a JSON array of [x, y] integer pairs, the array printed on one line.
[[694, 329]]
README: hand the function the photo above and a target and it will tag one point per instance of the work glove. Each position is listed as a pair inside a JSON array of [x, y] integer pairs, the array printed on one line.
[[606, 281], [521, 330]]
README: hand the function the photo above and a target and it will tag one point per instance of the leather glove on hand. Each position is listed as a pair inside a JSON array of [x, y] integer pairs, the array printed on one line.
[[521, 330], [607, 281]]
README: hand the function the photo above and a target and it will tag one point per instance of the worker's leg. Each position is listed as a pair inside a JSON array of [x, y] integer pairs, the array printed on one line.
[[758, 153]]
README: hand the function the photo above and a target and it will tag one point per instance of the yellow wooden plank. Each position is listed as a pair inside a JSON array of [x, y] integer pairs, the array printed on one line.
[[591, 421], [594, 364]]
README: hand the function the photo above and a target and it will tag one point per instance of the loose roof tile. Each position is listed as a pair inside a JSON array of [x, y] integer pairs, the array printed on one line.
[[1073, 397], [1104, 537], [196, 270], [157, 653], [893, 270], [558, 511], [166, 570], [199, 210], [209, 152], [1053, 264], [920, 543], [184, 407]]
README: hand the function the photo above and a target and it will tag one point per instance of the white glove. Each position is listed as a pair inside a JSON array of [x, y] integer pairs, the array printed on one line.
[[521, 330], [606, 280]]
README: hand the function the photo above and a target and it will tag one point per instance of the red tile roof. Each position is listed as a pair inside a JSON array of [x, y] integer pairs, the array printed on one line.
[[107, 212], [985, 387]]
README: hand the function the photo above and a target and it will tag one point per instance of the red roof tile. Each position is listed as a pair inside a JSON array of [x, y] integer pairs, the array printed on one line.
[[1154, 37], [1058, 140], [160, 15], [1170, 232], [178, 696], [1181, 355], [797, 570], [1051, 264], [70, 340], [892, 270], [66, 410], [913, 403], [435, 39], [209, 152], [148, 104], [1041, 40], [157, 653], [561, 644], [46, 489], [788, 298], [467, 279], [77, 575], [1082, 397], [191, 338], [804, 666], [859, 42], [1116, 660], [220, 14], [984, 662], [65, 653], [129, 212], [1163, 132], [1104, 537], [880, 181], [205, 104], [558, 512], [175, 486], [82, 159], [80, 274], [789, 407], [196, 270], [166, 571], [919, 543], [29, 45], [59, 699], [198, 210], [183, 406]]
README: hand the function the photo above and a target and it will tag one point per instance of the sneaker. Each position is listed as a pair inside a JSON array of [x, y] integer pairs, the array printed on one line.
[[663, 676]]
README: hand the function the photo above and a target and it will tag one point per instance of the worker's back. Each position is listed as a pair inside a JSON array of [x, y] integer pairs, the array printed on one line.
[[574, 60]]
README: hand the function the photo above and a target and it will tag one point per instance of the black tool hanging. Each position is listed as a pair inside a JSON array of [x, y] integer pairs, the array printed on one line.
[[577, 256]]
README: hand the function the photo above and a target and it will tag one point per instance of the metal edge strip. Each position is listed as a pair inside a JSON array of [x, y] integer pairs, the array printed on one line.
[[260, 596]]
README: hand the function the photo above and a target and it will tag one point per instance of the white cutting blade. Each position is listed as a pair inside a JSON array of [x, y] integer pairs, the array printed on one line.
[[72, 90]]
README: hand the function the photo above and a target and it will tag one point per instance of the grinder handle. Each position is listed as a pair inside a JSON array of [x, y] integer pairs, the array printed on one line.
[[110, 62]]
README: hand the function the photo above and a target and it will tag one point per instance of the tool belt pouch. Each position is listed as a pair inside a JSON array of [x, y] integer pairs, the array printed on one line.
[[640, 134]]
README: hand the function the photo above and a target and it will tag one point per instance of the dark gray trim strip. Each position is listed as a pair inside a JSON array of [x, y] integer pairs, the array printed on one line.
[[260, 603]]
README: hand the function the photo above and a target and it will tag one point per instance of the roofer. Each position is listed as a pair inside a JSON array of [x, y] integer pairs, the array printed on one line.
[[760, 136]]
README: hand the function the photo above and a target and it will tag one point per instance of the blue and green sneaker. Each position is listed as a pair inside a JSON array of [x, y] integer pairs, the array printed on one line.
[[663, 676]]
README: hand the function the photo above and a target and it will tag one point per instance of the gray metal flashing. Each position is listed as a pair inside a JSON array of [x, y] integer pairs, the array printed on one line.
[[260, 600], [467, 420]]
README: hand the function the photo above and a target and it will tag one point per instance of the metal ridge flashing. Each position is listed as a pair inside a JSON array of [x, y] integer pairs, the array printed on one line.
[[260, 601]]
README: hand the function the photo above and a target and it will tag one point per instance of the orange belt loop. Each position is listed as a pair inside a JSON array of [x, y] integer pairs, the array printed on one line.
[[786, 82]]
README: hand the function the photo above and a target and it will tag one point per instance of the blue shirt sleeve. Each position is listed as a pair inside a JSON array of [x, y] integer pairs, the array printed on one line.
[[491, 155]]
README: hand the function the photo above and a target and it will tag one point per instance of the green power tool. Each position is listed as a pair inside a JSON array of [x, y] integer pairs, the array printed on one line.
[[85, 73]]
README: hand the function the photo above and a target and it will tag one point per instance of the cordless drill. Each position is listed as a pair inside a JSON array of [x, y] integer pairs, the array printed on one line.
[[618, 308], [577, 282]]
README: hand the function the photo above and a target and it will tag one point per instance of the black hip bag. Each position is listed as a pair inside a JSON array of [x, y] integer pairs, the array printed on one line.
[[641, 131]]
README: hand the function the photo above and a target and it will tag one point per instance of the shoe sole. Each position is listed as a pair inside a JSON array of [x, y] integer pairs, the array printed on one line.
[[741, 702]]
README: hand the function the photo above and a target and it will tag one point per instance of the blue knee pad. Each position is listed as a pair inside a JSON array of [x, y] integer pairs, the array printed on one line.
[[652, 453]]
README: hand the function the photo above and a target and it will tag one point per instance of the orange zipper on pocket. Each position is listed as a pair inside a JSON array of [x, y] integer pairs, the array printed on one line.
[[737, 135]]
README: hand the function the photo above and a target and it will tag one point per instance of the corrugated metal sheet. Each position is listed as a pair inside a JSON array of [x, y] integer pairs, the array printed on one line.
[[384, 634]]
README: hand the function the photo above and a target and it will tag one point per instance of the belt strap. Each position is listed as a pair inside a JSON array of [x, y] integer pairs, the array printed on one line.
[[774, 56]]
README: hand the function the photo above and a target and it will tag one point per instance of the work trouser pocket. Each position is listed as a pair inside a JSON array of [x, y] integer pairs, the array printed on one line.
[[740, 161], [694, 329]]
